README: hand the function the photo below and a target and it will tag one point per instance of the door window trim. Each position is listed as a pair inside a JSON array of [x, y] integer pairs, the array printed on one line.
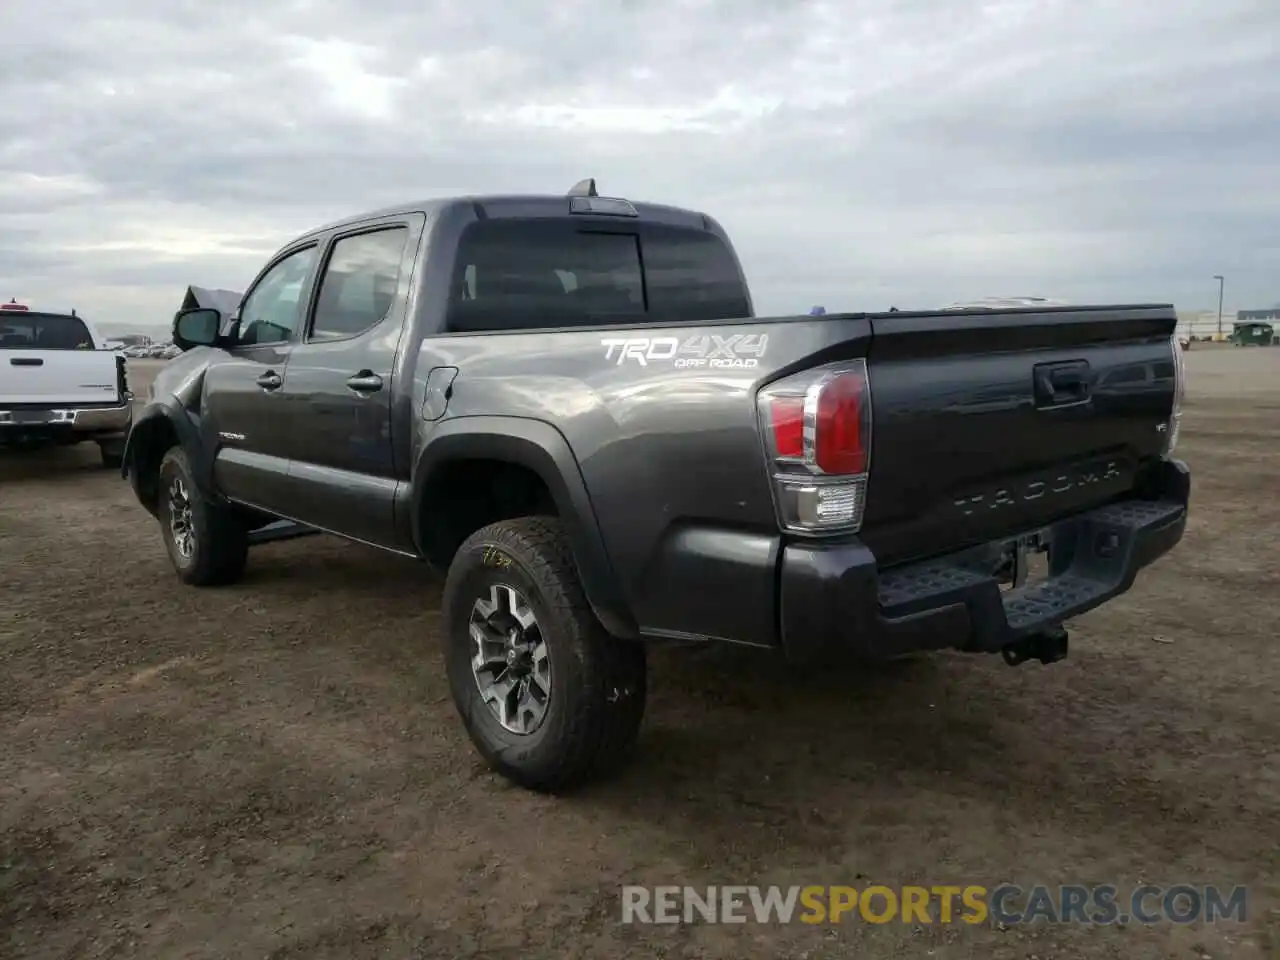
[[408, 251]]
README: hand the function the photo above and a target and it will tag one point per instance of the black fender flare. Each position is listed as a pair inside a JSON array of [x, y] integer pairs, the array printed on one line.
[[540, 447], [146, 425]]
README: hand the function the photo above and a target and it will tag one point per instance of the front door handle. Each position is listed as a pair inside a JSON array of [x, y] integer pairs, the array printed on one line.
[[270, 380], [366, 381]]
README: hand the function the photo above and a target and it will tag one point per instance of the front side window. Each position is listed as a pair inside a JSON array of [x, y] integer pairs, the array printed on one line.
[[272, 312], [359, 283]]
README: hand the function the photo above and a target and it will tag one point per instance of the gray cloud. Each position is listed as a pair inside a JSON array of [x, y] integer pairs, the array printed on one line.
[[862, 153]]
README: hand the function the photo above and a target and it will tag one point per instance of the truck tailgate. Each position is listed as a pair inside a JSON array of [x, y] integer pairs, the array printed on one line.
[[990, 424], [58, 377]]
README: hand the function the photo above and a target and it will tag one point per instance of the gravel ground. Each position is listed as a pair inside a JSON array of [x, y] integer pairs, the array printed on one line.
[[275, 769]]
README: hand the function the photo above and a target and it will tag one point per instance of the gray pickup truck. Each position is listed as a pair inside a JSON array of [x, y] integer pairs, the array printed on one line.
[[568, 404]]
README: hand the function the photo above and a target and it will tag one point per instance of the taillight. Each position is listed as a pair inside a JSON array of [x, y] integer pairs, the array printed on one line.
[[1179, 392], [838, 442], [122, 377], [817, 431], [786, 418]]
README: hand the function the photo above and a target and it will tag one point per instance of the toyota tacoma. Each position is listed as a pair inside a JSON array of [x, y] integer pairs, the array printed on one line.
[[568, 405]]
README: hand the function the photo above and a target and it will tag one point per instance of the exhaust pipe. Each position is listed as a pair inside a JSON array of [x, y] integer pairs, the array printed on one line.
[[1047, 646]]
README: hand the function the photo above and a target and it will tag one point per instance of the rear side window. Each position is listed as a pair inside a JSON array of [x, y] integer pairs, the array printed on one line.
[[43, 331], [522, 274], [359, 283]]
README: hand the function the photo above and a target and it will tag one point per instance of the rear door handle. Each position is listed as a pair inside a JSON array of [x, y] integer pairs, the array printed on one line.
[[366, 381], [270, 380], [26, 362]]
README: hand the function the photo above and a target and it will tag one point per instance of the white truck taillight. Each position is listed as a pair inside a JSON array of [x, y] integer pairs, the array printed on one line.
[[122, 378], [817, 436], [1179, 391]]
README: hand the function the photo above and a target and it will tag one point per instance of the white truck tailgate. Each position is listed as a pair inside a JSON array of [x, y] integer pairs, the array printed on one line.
[[58, 377]]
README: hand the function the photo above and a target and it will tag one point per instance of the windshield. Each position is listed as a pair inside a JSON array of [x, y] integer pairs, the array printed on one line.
[[43, 331]]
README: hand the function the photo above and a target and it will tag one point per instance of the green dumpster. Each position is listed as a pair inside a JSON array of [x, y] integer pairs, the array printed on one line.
[[1253, 334]]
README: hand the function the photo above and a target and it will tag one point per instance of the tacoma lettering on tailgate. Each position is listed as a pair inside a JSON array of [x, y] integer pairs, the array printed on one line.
[[1022, 492]]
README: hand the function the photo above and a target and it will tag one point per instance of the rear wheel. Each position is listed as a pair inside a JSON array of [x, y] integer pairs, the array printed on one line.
[[207, 543], [548, 696]]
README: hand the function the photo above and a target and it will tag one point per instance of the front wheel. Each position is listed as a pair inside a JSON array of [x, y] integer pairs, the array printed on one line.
[[549, 698], [207, 543]]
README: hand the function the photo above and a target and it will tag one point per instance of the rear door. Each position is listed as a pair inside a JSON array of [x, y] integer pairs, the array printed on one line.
[[50, 360], [336, 409], [990, 424], [243, 390]]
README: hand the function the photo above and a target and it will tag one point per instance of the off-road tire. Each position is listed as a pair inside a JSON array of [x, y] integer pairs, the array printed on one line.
[[598, 680], [221, 539]]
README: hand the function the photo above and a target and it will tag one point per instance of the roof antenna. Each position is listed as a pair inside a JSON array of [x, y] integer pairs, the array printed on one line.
[[584, 188]]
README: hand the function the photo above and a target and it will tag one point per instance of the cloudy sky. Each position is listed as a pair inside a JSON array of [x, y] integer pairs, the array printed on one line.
[[862, 154]]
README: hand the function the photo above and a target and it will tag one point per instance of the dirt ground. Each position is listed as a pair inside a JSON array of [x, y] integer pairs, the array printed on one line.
[[275, 769]]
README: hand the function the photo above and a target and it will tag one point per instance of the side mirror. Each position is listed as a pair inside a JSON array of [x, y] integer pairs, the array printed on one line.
[[199, 327]]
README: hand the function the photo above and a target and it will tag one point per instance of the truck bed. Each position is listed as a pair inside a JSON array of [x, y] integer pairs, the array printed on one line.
[[985, 424]]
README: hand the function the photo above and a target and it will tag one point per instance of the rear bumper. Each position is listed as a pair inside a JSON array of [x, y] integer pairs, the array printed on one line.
[[835, 602], [55, 420]]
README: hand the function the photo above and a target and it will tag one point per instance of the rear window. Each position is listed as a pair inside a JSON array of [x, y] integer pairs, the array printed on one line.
[[522, 274], [43, 331], [691, 275]]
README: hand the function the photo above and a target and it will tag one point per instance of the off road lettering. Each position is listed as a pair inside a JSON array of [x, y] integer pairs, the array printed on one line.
[[700, 351]]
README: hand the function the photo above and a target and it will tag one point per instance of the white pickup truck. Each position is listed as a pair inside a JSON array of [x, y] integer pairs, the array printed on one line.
[[60, 383]]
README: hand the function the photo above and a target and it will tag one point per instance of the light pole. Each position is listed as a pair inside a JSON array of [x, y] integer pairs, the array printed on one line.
[[1221, 284]]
